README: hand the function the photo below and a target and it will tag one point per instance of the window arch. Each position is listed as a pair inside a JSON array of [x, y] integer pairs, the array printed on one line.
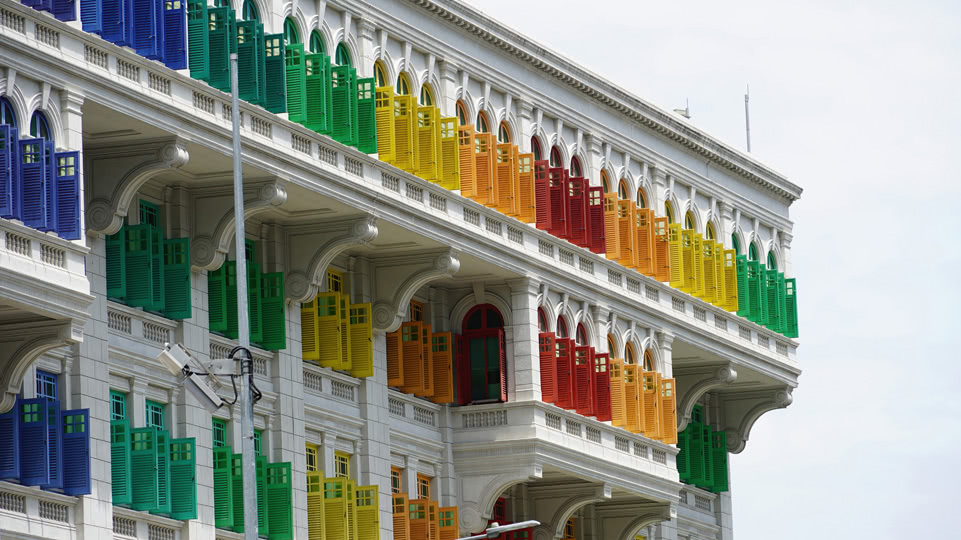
[[536, 148], [541, 320], [735, 244], [641, 198], [555, 157], [576, 168], [462, 113], [709, 231], [622, 191], [611, 346], [580, 336], [648, 361], [605, 181], [342, 55], [630, 357], [380, 74], [250, 12], [426, 95], [689, 221], [486, 360], [562, 328], [403, 84], [503, 133], [7, 115], [771, 260], [752, 252], [291, 34], [482, 125], [222, 3], [669, 211], [39, 127], [317, 44]]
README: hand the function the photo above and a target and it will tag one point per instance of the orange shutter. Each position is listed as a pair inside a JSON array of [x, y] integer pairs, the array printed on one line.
[[395, 364], [506, 178], [449, 158], [427, 359], [485, 186], [525, 188], [442, 357], [449, 528], [433, 515], [677, 261], [632, 413], [412, 356], [618, 412], [650, 394], [401, 517], [465, 155], [644, 248], [417, 513], [612, 238], [662, 256], [548, 378], [668, 407], [626, 227]]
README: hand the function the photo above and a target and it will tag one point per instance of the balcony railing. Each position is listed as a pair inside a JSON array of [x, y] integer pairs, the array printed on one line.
[[43, 257], [129, 523], [31, 511]]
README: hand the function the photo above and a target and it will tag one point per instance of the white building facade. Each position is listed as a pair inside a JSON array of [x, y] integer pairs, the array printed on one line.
[[154, 149]]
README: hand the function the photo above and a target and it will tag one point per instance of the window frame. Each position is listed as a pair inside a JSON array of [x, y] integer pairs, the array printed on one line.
[[291, 32], [403, 84], [426, 98], [152, 408], [342, 56], [47, 382], [576, 170], [380, 74], [536, 148], [424, 486], [218, 426], [555, 159], [252, 6], [482, 124], [8, 115], [342, 464], [118, 397], [504, 133], [316, 38], [641, 200], [396, 480], [40, 126]]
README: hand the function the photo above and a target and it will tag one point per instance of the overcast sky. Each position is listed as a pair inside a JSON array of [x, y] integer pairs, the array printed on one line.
[[860, 104]]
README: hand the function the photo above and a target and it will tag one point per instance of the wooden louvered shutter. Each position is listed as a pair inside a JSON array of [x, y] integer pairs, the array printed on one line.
[[545, 349], [442, 358], [662, 255], [506, 179], [708, 478], [330, 351], [557, 197], [758, 300], [626, 228], [419, 519], [120, 479], [695, 454], [315, 506], [254, 302], [697, 269], [138, 266], [675, 250], [316, 68], [708, 274], [395, 363], [117, 22], [368, 512], [384, 106], [790, 308], [583, 381], [223, 487], [67, 189], [54, 447], [217, 298], [433, 516], [576, 211], [775, 301], [668, 409], [632, 402], [9, 156], [526, 208], [33, 183], [175, 34], [462, 370], [237, 489], [249, 56], [10, 444], [404, 133], [366, 117], [563, 370], [720, 288], [280, 501], [50, 187], [427, 363], [719, 461], [342, 95], [650, 393], [401, 517], [612, 238], [602, 386], [731, 281], [176, 275], [484, 185], [542, 195], [683, 455], [116, 253], [34, 446], [163, 471], [449, 176], [64, 10], [146, 28], [273, 314], [468, 166], [361, 341], [597, 232], [688, 277], [219, 40], [296, 83], [143, 468], [157, 270], [183, 478], [309, 331], [502, 364], [91, 15], [412, 356], [448, 525], [644, 248], [335, 508], [428, 142], [263, 502], [346, 361], [618, 404], [743, 289], [275, 75], [198, 39]]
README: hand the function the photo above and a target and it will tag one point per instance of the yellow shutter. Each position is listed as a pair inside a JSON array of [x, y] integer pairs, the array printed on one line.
[[626, 229], [412, 356], [368, 513], [688, 283], [427, 356], [668, 407], [697, 247], [730, 280], [484, 154], [675, 250], [526, 209], [351, 511], [361, 341], [384, 105], [401, 517], [708, 272], [449, 529], [618, 412], [335, 509], [428, 140], [419, 519], [505, 178], [442, 358], [449, 157], [308, 330], [395, 360], [315, 506], [330, 353], [405, 120], [346, 362], [465, 156], [650, 394], [611, 235], [632, 414]]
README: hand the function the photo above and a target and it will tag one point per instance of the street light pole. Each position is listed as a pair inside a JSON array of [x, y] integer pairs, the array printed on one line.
[[248, 461]]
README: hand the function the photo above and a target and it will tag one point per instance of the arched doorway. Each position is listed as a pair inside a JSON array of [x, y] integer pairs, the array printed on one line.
[[482, 352]]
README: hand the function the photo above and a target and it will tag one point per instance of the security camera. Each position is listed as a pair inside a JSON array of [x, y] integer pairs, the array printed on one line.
[[175, 358], [177, 361]]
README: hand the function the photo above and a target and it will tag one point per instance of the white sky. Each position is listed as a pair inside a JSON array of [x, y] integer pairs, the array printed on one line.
[[859, 102]]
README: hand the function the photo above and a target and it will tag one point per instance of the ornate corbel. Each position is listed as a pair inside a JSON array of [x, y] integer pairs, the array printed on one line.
[[389, 313], [20, 346], [333, 238], [741, 411], [692, 383]]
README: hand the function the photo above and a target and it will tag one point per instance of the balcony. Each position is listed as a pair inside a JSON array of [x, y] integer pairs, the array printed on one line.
[[31, 511]]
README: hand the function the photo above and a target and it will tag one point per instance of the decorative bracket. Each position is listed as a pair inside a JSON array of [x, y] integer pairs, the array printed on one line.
[[692, 383], [554, 505], [22, 343], [389, 312], [740, 411], [333, 237]]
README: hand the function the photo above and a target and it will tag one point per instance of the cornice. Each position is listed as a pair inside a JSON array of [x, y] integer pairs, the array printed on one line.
[[498, 35]]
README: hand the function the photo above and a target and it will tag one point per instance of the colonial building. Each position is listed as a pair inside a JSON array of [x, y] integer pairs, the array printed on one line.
[[485, 284]]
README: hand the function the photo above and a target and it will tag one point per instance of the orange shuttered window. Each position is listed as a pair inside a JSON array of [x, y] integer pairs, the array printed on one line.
[[506, 180], [433, 516], [412, 356], [618, 411], [465, 156], [708, 272], [447, 517], [677, 261], [602, 387], [308, 330], [644, 247], [612, 238], [650, 394], [632, 413], [484, 155], [401, 518], [428, 142], [419, 519], [662, 256], [449, 159], [525, 188], [626, 230], [405, 124], [668, 407], [548, 378], [384, 107], [730, 280], [442, 356], [395, 363], [427, 356]]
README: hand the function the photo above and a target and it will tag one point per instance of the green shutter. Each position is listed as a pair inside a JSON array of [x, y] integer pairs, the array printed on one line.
[[367, 117], [116, 265], [219, 35], [317, 67], [198, 45], [177, 279], [342, 96], [275, 94], [157, 269], [237, 485], [273, 314], [707, 481], [262, 511], [163, 472], [254, 297], [790, 308], [249, 56], [774, 300], [355, 117], [230, 270], [280, 501], [139, 266], [758, 300], [719, 458], [217, 298], [223, 488], [683, 455], [781, 303], [743, 290], [120, 461], [183, 478], [143, 468], [296, 83]]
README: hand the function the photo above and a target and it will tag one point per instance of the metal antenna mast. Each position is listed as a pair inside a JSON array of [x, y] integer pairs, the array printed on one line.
[[747, 116]]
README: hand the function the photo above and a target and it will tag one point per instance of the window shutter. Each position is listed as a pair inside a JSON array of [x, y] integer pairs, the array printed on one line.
[[708, 479], [237, 491], [64, 10], [597, 233], [419, 519], [54, 447], [618, 404], [10, 444], [743, 287], [317, 68], [401, 517], [217, 298], [484, 162], [563, 369], [67, 190], [75, 433], [296, 83], [468, 167], [449, 528], [315, 506], [698, 267], [146, 28], [115, 27], [426, 349], [542, 195], [223, 488], [138, 265], [668, 407], [163, 473], [183, 478], [329, 351], [731, 281], [412, 356], [92, 16], [577, 210], [176, 275], [273, 312], [499, 511], [274, 75], [526, 209], [720, 288], [644, 246], [650, 393], [462, 372], [632, 400], [612, 238], [676, 251], [502, 360], [368, 512], [506, 179], [355, 116], [775, 299], [627, 229], [395, 363], [33, 183], [175, 34], [557, 197], [602, 386], [249, 56], [143, 468], [346, 362], [442, 359], [405, 114], [34, 446], [335, 508], [683, 455], [545, 349], [309, 331], [428, 141], [434, 517], [366, 117], [50, 187], [449, 154], [341, 90], [255, 298], [361, 341], [384, 107], [280, 501], [695, 454], [661, 255], [198, 39], [790, 308], [583, 381], [219, 37], [719, 461], [120, 479], [157, 270], [9, 177], [689, 261], [708, 273], [755, 282], [115, 247]]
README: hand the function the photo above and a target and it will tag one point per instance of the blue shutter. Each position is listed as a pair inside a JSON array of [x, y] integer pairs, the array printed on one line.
[[175, 34], [68, 195], [160, 32], [10, 444], [115, 27], [8, 155], [145, 27], [33, 176], [50, 186], [91, 15], [54, 447], [33, 441], [64, 10], [75, 432]]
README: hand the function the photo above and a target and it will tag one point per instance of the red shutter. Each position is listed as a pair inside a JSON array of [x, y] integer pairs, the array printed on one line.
[[577, 212], [558, 202], [597, 237], [542, 183], [602, 387], [502, 358], [563, 350], [548, 377], [462, 373], [583, 379]]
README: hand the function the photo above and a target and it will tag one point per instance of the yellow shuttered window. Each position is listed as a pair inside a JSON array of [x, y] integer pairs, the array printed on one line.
[[442, 359], [412, 356], [618, 412], [335, 508], [688, 279], [505, 175], [310, 456], [675, 251], [328, 330], [384, 106], [626, 229], [368, 513], [484, 185], [448, 529], [449, 157], [346, 362], [315, 506], [697, 253], [361, 341], [632, 413], [401, 517], [709, 272], [650, 394], [525, 188], [309, 338], [668, 407], [405, 120], [612, 237], [468, 167], [351, 511], [428, 141], [730, 280], [720, 291], [395, 362]]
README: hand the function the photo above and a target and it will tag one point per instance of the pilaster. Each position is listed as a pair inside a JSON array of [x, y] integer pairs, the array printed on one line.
[[525, 384]]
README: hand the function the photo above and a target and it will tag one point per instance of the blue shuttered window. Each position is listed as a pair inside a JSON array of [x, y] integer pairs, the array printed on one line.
[[175, 33], [91, 15], [33, 179], [33, 442], [9, 172], [75, 433], [67, 188]]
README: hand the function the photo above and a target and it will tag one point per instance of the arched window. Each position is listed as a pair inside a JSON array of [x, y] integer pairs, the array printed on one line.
[[462, 114], [342, 56], [735, 244], [504, 133], [641, 198], [403, 85], [250, 11], [380, 74], [752, 252], [541, 320], [536, 149], [39, 126], [669, 211], [648, 361], [611, 346], [426, 95], [482, 125], [486, 358], [291, 35], [575, 167], [622, 191], [605, 181], [7, 116], [317, 44], [689, 221], [581, 336], [562, 328], [555, 157], [629, 356], [771, 261], [709, 231], [222, 3]]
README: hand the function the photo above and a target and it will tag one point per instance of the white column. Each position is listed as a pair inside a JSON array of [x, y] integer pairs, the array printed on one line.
[[524, 362], [665, 341]]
